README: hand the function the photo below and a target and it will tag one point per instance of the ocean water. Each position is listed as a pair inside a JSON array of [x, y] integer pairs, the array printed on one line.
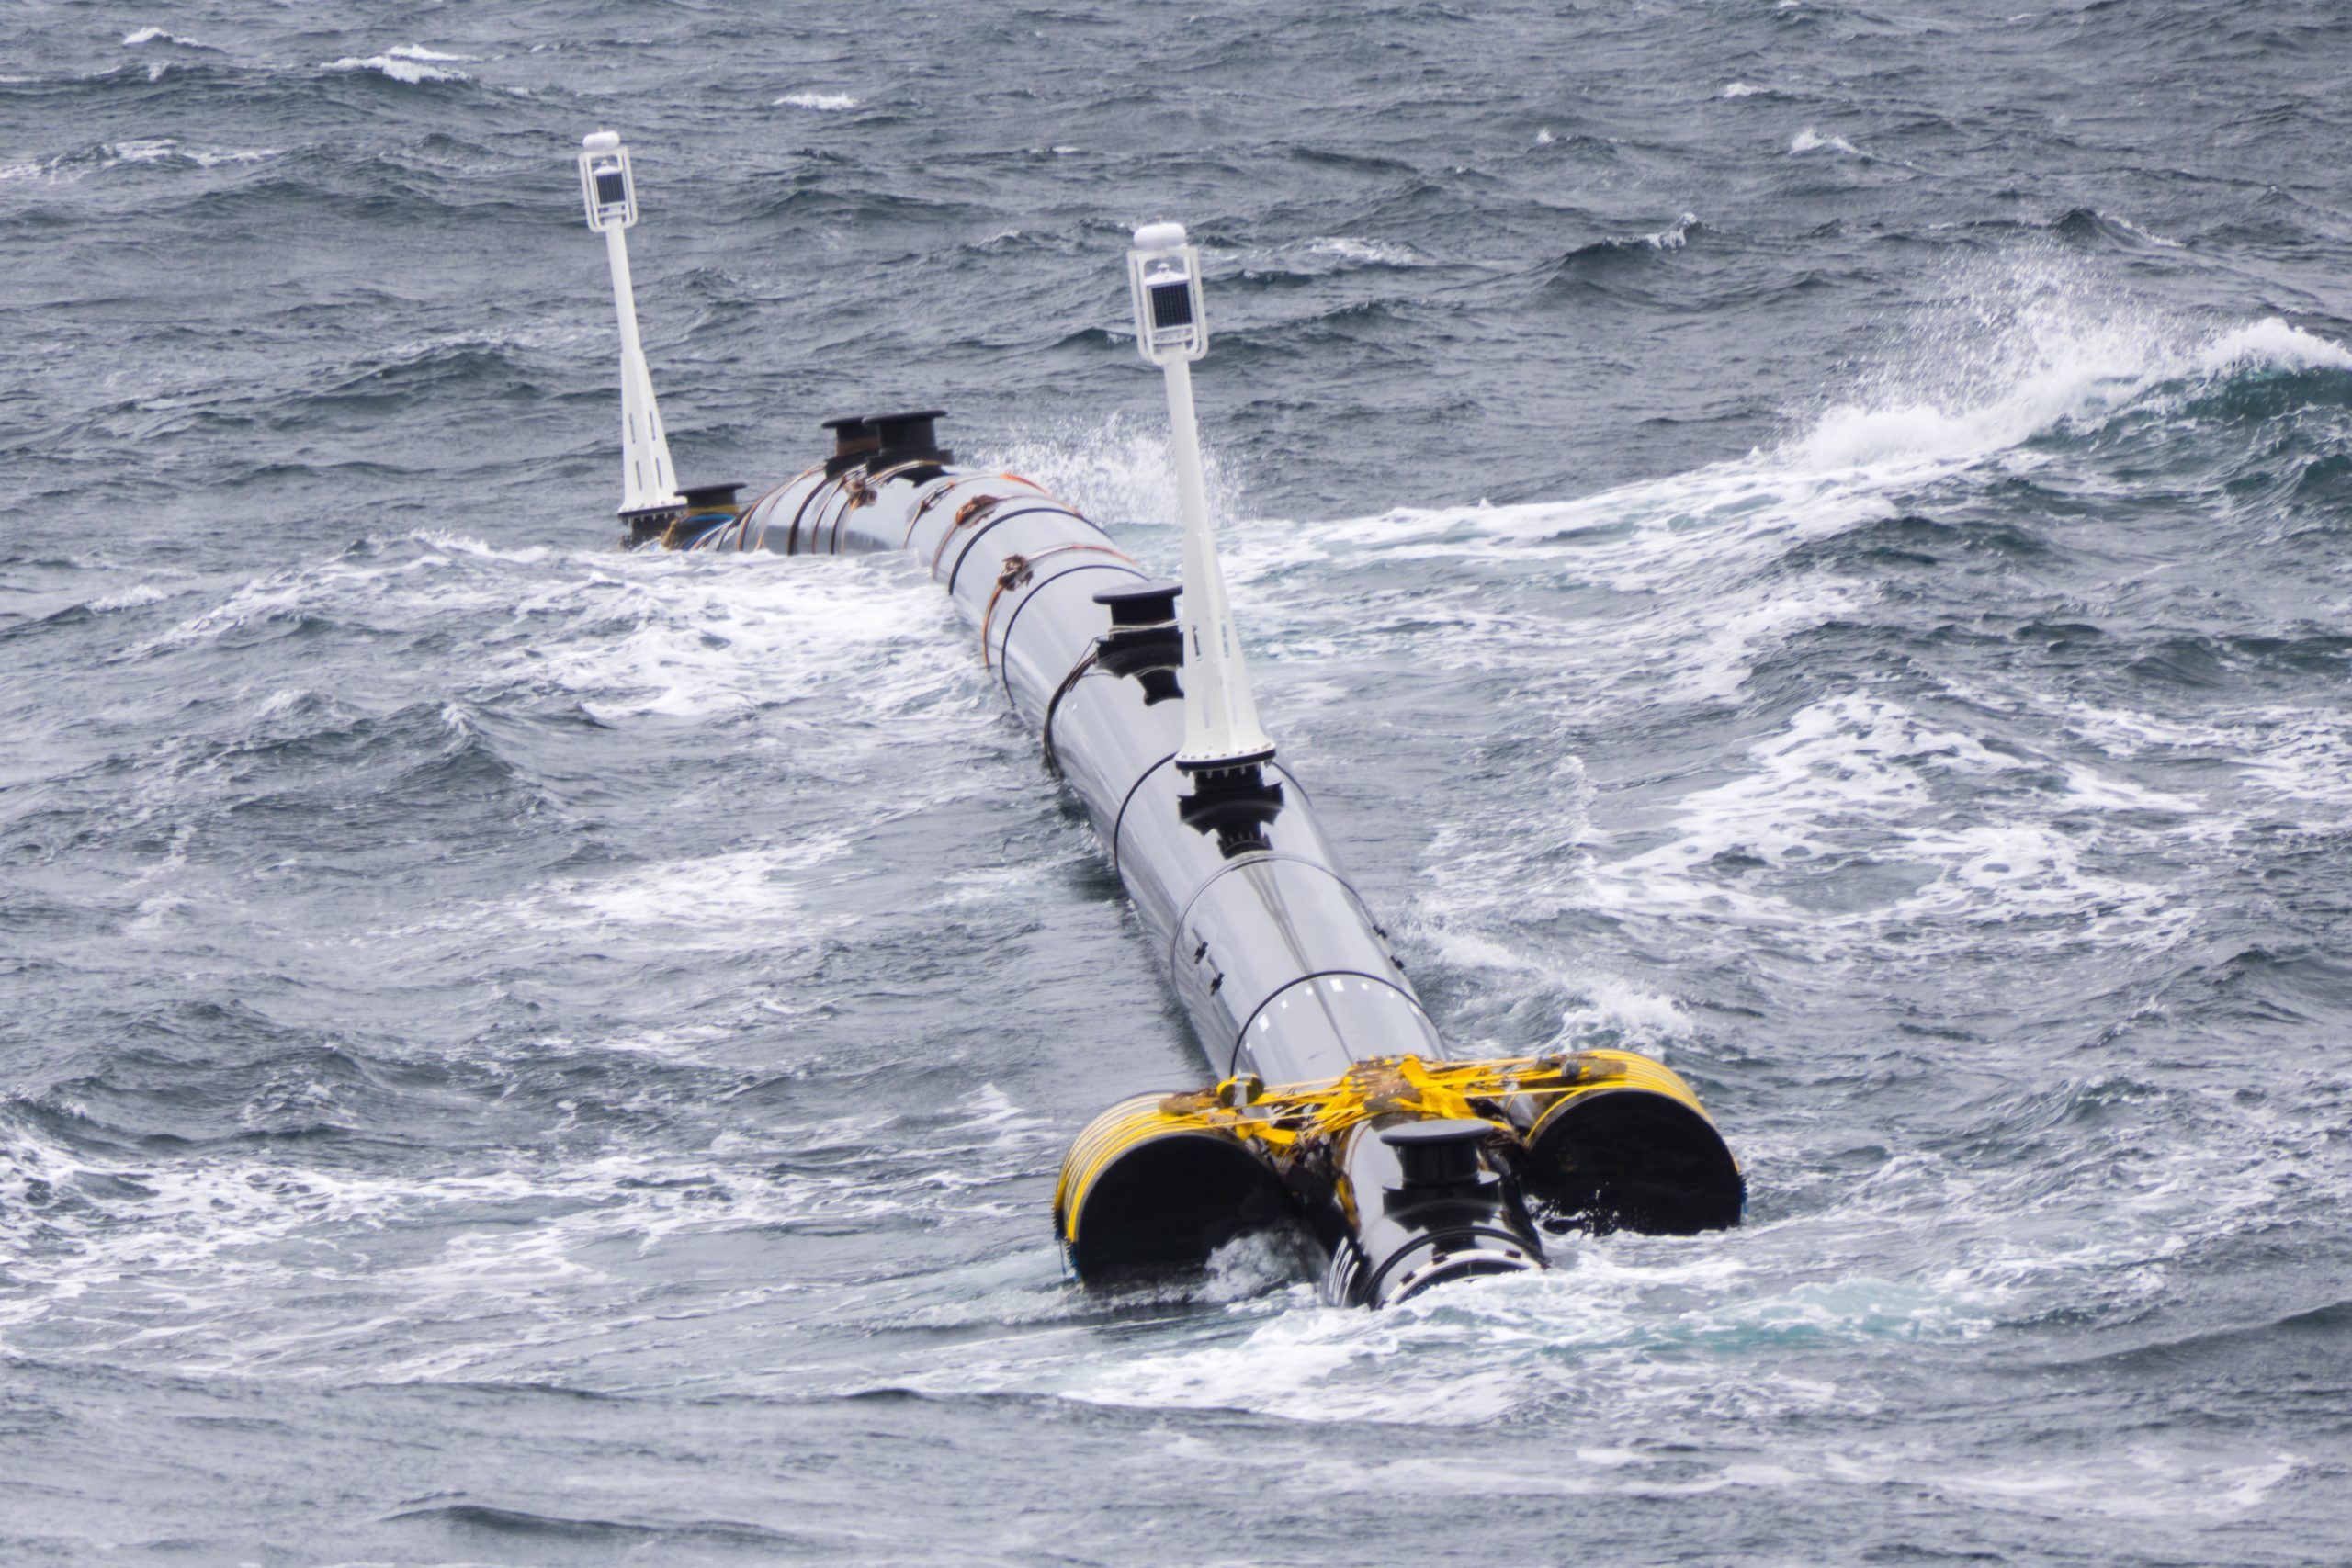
[[1811, 538]]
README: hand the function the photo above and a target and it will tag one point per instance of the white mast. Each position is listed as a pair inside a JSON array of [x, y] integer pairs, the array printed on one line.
[[1221, 727], [647, 482]]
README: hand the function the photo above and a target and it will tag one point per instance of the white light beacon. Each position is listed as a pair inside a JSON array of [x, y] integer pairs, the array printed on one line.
[[648, 488], [1221, 726]]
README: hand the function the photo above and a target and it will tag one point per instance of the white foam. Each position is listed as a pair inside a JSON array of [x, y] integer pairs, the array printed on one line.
[[2303, 754], [144, 36], [1741, 90], [397, 65], [154, 914], [140, 150], [2052, 365], [1317, 255], [712, 902], [1858, 784], [2133, 228], [699, 637], [1626, 1010], [1114, 470], [1812, 141], [2137, 1481], [2292, 753], [823, 103], [1622, 1333], [165, 149], [1673, 239], [138, 594], [172, 1266], [2270, 344], [1371, 253], [1543, 137], [464, 544]]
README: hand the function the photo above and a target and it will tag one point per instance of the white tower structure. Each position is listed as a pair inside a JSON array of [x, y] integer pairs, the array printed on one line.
[[649, 486], [1221, 727]]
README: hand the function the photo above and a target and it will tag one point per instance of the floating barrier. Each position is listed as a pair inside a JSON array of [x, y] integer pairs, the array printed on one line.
[[1338, 1112]]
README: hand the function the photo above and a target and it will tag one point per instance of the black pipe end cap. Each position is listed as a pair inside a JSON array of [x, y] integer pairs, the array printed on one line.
[[1439, 1152], [908, 437], [699, 497], [1146, 605], [854, 441]]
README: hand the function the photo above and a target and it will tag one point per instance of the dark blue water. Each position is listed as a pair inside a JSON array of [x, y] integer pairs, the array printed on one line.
[[1811, 539]]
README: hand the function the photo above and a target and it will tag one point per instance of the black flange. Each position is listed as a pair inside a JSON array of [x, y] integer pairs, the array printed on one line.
[[1144, 640], [907, 438], [855, 440], [1438, 1154], [1234, 803]]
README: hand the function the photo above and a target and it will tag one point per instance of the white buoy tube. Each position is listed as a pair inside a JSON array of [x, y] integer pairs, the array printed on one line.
[[1221, 728], [647, 482]]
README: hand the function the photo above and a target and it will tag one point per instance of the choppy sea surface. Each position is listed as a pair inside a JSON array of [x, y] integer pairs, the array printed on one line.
[[1813, 539]]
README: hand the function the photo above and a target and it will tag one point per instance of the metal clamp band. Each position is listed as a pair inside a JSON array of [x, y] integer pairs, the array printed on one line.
[[792, 539], [1119, 821], [990, 520], [1012, 622], [1046, 730], [1259, 1012], [1018, 571], [940, 494], [743, 519], [1176, 941]]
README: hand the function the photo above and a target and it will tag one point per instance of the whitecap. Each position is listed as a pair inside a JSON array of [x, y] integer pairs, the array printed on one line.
[[1675, 237], [1855, 770], [824, 103], [2045, 356], [1115, 471], [527, 555], [164, 149], [703, 639], [144, 36], [138, 594], [2138, 233], [1812, 141], [1628, 1012], [137, 149], [2270, 344], [1362, 252], [397, 66]]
